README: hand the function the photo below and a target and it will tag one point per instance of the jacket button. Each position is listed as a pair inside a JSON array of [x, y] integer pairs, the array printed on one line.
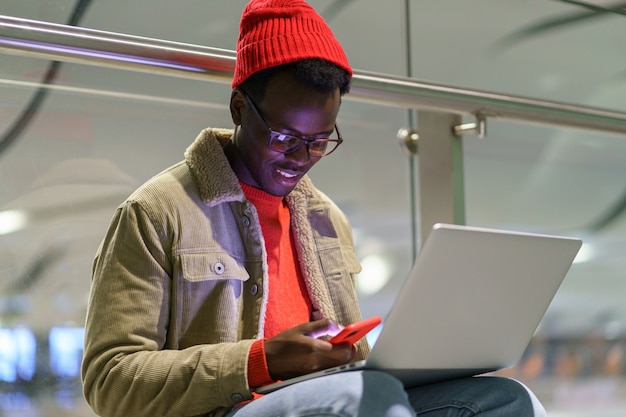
[[254, 289], [236, 397], [245, 220], [219, 268]]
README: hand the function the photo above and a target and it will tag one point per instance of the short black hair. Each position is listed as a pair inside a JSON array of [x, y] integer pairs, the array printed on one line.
[[317, 73]]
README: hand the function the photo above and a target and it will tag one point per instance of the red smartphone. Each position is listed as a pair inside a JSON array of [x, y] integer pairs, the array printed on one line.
[[355, 331]]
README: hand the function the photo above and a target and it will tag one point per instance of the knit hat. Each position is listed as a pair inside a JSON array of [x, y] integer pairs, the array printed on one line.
[[276, 32]]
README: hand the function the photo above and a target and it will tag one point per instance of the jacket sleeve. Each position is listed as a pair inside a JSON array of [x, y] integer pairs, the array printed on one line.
[[126, 371]]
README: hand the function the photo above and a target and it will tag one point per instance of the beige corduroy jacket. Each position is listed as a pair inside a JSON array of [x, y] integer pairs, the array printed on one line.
[[179, 287]]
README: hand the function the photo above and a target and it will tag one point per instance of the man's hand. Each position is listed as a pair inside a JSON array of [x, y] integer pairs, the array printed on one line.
[[293, 353]]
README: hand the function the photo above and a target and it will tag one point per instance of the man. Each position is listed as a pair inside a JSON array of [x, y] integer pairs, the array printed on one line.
[[215, 275]]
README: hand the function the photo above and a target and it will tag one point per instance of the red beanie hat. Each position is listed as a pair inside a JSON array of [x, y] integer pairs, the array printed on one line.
[[276, 32]]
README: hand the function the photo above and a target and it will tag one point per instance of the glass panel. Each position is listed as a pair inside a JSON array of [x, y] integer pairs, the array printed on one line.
[[536, 48], [565, 182]]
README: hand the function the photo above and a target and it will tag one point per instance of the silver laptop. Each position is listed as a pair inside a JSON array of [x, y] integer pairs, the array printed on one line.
[[470, 305]]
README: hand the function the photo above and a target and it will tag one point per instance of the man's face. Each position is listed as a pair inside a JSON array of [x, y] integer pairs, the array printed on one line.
[[287, 107]]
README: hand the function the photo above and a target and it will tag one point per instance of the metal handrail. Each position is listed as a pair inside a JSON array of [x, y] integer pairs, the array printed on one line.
[[94, 47]]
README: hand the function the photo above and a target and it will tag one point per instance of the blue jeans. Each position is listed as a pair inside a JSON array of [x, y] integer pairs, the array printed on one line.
[[376, 394]]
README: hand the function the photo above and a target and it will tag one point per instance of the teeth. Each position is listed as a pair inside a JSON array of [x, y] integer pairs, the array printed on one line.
[[285, 174]]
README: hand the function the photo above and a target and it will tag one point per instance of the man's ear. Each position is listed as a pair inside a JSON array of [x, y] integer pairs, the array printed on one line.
[[237, 103]]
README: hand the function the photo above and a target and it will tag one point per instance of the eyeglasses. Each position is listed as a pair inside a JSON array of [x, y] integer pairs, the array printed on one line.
[[284, 143]]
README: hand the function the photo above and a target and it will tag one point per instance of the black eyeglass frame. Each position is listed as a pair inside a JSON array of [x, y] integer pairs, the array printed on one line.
[[273, 135]]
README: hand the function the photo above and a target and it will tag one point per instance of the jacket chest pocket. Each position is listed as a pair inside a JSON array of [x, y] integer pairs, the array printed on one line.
[[211, 266], [210, 286]]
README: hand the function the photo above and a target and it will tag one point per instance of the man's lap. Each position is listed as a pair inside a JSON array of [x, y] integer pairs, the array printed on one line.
[[374, 393]]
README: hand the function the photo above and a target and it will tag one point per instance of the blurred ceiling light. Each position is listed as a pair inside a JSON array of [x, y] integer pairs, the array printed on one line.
[[375, 274], [613, 330], [12, 221]]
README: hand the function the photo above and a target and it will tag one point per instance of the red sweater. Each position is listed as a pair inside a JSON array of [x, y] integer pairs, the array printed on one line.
[[288, 302]]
